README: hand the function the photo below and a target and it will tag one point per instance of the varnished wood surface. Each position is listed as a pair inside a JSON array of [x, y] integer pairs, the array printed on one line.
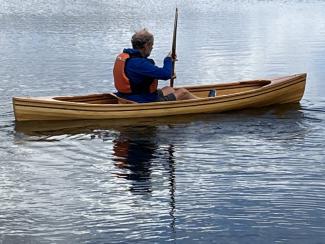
[[230, 96]]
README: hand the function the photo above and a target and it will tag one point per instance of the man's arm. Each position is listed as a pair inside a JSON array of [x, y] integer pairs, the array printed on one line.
[[146, 68]]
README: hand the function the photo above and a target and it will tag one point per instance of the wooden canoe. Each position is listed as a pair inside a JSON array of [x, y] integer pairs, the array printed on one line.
[[230, 96]]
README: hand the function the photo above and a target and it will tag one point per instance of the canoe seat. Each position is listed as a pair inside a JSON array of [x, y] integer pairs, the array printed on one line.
[[124, 101]]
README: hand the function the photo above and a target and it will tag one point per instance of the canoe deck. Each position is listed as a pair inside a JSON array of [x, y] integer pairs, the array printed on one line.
[[230, 96]]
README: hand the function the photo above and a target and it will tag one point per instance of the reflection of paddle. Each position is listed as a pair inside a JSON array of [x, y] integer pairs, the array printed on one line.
[[174, 49]]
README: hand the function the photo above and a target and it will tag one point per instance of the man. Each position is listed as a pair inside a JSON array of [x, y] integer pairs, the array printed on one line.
[[136, 76]]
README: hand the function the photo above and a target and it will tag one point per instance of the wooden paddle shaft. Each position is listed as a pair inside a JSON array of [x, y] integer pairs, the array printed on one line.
[[174, 48]]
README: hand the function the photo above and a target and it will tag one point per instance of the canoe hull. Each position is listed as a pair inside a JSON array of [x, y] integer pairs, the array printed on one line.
[[231, 96]]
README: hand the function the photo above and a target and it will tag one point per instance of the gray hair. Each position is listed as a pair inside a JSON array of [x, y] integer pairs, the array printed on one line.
[[140, 38]]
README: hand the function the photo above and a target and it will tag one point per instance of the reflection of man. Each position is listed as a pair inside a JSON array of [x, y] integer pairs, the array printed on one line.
[[134, 152]]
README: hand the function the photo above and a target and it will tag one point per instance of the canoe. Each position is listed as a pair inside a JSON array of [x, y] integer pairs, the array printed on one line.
[[229, 96]]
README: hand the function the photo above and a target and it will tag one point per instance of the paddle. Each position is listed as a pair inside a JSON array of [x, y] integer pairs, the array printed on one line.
[[174, 49]]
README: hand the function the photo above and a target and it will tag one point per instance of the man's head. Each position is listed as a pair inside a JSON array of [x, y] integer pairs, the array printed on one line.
[[143, 41]]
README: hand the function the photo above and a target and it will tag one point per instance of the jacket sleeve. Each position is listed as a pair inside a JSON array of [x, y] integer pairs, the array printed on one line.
[[146, 68]]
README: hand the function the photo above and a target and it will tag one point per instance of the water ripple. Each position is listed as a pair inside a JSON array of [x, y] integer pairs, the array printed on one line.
[[253, 176]]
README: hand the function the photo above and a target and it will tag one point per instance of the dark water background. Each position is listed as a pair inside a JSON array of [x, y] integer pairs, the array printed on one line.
[[255, 176]]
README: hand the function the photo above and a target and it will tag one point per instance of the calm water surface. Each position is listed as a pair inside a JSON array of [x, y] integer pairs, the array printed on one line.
[[254, 176]]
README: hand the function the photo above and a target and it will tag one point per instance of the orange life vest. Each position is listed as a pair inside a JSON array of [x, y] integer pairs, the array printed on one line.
[[121, 81]]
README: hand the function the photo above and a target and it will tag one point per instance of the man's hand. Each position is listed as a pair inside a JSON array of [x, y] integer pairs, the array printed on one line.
[[173, 58]]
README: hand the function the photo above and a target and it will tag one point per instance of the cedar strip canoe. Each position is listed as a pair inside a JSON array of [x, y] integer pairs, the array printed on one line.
[[230, 96]]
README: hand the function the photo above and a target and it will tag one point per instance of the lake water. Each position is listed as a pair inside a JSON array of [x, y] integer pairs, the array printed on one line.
[[255, 176]]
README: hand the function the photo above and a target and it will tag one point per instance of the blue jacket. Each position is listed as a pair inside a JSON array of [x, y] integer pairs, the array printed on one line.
[[140, 70]]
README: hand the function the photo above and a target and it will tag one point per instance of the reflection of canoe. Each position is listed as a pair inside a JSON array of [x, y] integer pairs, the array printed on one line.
[[230, 96]]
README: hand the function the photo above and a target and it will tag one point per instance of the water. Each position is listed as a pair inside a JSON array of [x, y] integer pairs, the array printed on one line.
[[254, 176]]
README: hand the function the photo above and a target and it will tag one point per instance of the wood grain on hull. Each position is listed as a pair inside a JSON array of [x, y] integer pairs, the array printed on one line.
[[230, 96]]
